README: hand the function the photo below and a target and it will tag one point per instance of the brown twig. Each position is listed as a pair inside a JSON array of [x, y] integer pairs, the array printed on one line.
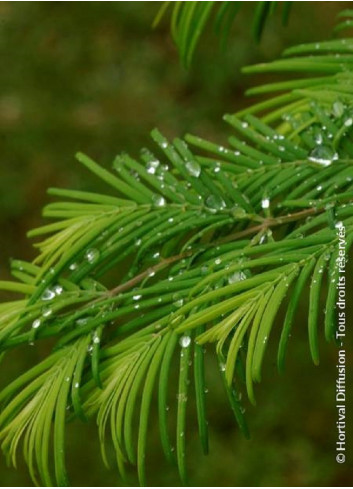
[[267, 223]]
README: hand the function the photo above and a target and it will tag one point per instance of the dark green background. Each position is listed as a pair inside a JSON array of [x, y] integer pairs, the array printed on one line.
[[95, 77]]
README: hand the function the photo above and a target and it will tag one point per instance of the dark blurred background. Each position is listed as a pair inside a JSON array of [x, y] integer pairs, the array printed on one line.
[[95, 77]]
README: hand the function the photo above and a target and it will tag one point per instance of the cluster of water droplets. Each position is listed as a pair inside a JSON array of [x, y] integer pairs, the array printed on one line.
[[324, 153], [49, 294]]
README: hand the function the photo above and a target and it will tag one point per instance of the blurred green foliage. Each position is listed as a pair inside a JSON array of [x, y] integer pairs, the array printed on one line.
[[95, 77]]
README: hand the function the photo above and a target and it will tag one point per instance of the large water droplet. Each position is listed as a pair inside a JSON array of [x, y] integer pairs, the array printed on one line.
[[324, 155], [193, 168], [215, 202]]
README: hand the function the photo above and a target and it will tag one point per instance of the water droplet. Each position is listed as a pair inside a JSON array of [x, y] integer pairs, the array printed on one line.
[[48, 294], [73, 266], [265, 203], [238, 212], [92, 255], [47, 311], [324, 155], [348, 122], [204, 270], [193, 168], [158, 200], [338, 109], [182, 398], [185, 341], [36, 323], [215, 202], [152, 166], [137, 297], [236, 277], [58, 289], [218, 261], [82, 321]]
